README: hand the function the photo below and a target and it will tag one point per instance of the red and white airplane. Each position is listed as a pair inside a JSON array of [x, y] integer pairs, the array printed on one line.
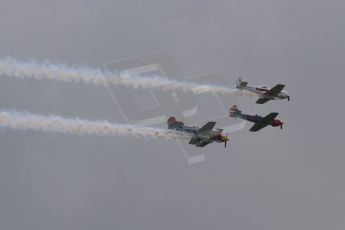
[[264, 93]]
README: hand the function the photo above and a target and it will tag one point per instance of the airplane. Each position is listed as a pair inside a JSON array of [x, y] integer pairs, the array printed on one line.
[[200, 136], [264, 93], [260, 122]]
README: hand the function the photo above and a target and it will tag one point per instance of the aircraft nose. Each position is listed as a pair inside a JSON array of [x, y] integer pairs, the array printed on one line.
[[279, 121]]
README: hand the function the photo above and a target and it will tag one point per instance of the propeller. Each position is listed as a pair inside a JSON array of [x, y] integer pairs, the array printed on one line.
[[281, 126], [288, 98], [226, 135]]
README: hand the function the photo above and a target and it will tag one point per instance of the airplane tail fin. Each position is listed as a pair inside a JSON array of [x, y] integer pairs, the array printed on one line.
[[240, 83], [173, 123], [171, 120], [234, 111]]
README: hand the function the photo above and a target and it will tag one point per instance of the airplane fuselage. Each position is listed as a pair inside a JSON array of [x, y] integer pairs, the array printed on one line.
[[257, 119], [194, 131], [179, 126], [200, 137], [260, 91]]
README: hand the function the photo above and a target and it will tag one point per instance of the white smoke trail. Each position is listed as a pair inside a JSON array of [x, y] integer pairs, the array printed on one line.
[[59, 72], [57, 124]]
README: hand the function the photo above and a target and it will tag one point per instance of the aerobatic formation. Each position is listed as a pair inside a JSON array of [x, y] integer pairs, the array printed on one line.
[[206, 135], [197, 136]]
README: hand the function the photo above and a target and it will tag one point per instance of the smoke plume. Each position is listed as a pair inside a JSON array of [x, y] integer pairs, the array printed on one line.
[[10, 67], [56, 124]]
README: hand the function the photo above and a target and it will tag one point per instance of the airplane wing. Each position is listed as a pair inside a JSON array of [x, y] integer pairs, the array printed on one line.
[[208, 127], [270, 117], [265, 121], [257, 127], [193, 141], [198, 143], [202, 143], [275, 90], [262, 100]]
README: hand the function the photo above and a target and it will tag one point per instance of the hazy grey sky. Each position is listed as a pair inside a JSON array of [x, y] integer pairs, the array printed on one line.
[[290, 179]]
